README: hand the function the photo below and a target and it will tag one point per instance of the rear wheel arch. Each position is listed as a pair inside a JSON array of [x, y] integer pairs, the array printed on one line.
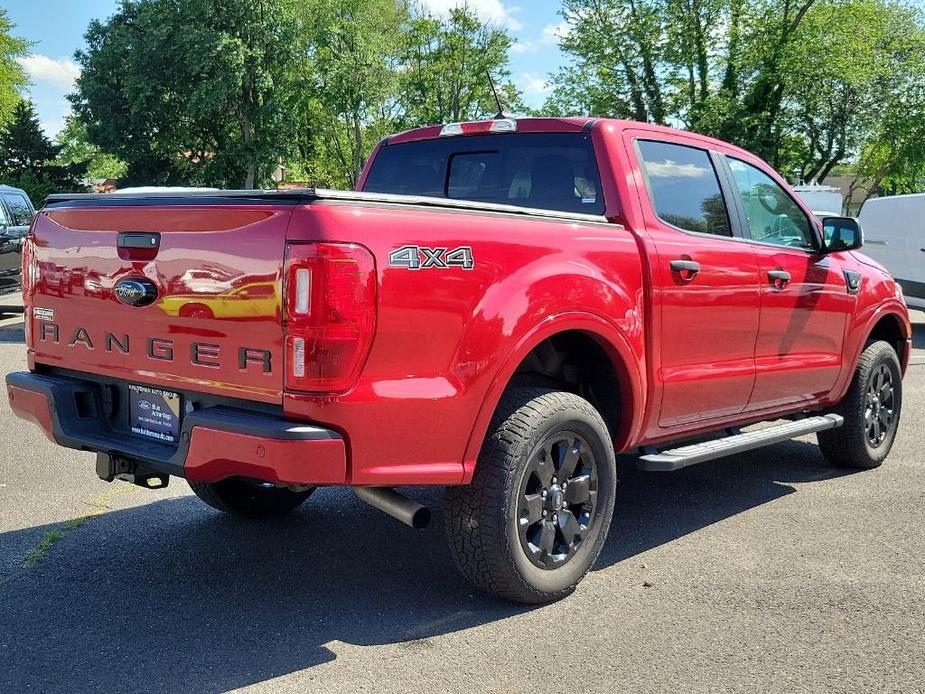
[[572, 335]]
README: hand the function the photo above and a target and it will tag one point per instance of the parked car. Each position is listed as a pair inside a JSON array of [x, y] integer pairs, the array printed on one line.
[[16, 214], [499, 309], [894, 235]]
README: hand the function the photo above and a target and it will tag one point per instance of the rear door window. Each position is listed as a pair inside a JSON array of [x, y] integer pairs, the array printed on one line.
[[552, 171], [20, 210], [684, 187]]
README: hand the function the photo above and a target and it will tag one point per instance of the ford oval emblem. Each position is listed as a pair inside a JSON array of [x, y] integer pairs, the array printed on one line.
[[135, 291]]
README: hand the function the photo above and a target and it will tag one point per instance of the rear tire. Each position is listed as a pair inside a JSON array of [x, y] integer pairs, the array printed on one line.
[[871, 409], [535, 517], [249, 499]]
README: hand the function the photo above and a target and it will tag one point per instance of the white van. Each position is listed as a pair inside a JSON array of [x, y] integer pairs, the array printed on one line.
[[894, 236]]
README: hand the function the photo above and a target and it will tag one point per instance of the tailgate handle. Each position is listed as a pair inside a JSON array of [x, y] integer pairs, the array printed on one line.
[[139, 240]]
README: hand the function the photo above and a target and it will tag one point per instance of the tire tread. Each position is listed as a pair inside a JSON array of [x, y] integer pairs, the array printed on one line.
[[474, 517]]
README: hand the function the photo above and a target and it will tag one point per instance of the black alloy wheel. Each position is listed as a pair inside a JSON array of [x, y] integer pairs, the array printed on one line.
[[558, 497], [879, 406]]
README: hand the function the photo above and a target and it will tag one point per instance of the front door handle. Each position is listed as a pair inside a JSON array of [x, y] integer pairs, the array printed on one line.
[[779, 278], [689, 267]]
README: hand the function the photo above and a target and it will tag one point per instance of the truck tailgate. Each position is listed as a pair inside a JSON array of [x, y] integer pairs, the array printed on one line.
[[185, 295]]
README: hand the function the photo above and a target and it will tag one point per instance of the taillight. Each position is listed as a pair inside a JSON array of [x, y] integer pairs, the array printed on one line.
[[330, 314]]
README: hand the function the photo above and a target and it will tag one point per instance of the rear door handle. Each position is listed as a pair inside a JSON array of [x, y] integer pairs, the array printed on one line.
[[691, 266], [779, 278]]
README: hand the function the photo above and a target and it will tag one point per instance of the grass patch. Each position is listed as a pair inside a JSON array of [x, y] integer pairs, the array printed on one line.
[[45, 544], [98, 506], [75, 523]]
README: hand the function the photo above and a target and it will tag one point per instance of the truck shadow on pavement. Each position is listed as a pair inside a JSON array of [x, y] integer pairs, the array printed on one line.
[[918, 335], [12, 333], [171, 596]]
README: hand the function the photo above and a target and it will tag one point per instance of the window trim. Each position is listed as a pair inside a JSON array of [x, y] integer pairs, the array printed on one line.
[[743, 218], [734, 230]]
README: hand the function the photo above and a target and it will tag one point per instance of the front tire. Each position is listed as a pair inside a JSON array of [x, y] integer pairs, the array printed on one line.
[[535, 517], [249, 499], [871, 409]]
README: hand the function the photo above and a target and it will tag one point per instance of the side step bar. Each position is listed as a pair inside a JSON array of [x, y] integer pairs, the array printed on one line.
[[676, 458]]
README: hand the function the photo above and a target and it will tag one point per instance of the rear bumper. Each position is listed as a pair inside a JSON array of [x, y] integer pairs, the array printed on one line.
[[215, 442]]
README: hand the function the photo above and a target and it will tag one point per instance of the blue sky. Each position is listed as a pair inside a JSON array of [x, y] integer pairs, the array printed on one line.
[[56, 28]]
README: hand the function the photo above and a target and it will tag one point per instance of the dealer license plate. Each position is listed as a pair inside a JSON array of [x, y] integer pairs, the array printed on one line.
[[154, 413]]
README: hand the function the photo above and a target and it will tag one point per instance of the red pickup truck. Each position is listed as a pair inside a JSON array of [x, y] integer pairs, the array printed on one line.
[[500, 308]]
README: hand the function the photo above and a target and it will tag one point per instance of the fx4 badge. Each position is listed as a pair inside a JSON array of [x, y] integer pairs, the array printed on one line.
[[422, 258]]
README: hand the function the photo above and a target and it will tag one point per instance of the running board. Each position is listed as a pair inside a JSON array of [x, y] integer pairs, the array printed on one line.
[[676, 458]]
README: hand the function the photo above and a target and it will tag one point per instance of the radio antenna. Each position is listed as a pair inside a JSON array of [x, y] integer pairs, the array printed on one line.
[[501, 112]]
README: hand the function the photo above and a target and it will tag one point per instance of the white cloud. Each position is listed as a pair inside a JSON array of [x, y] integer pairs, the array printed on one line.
[[490, 10], [534, 85], [553, 33], [550, 36], [52, 126], [523, 46], [60, 72]]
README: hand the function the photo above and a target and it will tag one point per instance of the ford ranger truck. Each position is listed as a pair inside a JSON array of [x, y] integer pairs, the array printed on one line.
[[499, 309]]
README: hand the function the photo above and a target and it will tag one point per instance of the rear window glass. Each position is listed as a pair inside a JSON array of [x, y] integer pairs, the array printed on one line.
[[552, 171]]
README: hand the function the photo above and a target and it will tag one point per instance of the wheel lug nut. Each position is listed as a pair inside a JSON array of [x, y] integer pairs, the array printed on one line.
[[564, 504], [543, 494], [564, 486], [544, 512], [555, 517], [553, 480]]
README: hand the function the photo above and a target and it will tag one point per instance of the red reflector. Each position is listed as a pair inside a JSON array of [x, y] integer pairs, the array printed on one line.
[[330, 314]]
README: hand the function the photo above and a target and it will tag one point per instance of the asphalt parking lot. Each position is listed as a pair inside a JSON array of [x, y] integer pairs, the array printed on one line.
[[766, 572]]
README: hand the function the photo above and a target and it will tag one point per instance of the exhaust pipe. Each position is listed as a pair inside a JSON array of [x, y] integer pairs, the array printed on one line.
[[397, 505]]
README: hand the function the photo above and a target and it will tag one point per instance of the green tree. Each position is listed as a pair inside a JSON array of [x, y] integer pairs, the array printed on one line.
[[716, 66], [190, 92], [13, 78], [28, 159], [75, 148], [799, 82], [348, 63], [445, 66]]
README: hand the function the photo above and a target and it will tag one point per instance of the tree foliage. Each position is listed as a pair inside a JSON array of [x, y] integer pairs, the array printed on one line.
[[191, 91], [349, 61], [800, 82], [445, 68], [29, 160], [12, 76], [216, 92], [75, 148]]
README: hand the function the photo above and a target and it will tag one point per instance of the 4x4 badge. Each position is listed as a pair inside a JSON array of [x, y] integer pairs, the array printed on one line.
[[422, 257]]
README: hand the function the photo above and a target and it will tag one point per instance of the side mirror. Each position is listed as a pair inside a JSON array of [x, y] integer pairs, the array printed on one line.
[[841, 234]]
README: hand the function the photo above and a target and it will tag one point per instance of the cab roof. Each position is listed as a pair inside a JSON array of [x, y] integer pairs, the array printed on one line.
[[568, 125]]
